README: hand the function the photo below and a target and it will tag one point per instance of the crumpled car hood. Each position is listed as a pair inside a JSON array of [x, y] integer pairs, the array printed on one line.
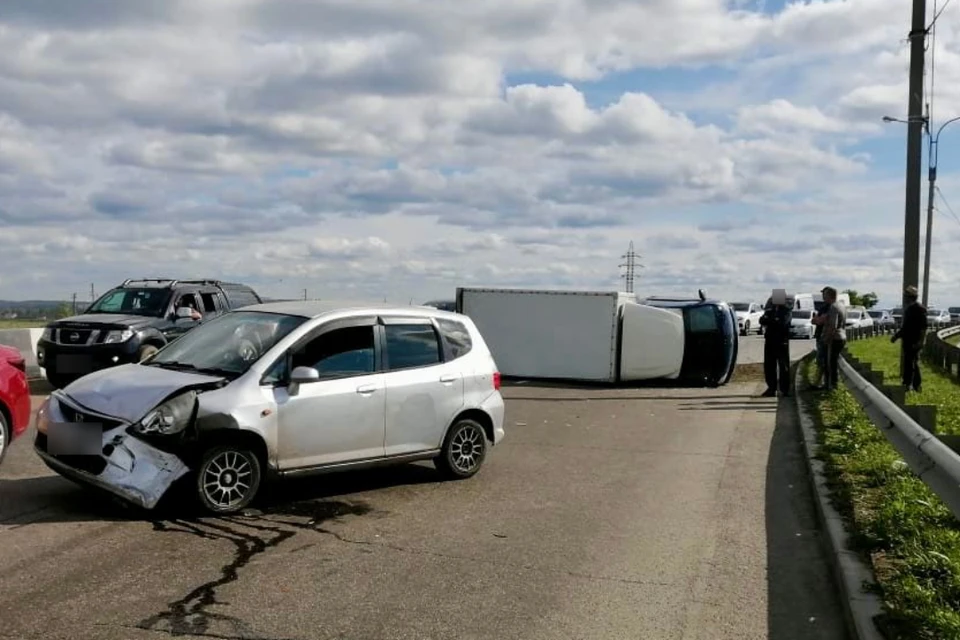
[[129, 391]]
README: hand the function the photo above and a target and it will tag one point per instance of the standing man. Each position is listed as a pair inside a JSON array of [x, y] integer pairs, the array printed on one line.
[[818, 321], [834, 334], [913, 330], [776, 344]]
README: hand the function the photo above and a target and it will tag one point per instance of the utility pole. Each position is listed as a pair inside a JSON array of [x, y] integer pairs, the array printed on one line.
[[304, 294], [915, 122], [631, 265], [92, 296], [74, 304]]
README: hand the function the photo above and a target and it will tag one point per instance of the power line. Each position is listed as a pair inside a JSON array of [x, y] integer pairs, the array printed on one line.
[[947, 204], [631, 266], [936, 15]]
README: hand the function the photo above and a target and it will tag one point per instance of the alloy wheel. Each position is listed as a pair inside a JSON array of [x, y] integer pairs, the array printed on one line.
[[227, 479], [467, 448]]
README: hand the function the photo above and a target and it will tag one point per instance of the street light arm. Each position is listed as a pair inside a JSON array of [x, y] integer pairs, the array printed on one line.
[[937, 137]]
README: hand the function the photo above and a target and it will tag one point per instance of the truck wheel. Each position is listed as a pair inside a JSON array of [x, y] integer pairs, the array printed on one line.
[[464, 450], [57, 381], [145, 352], [228, 479], [746, 328]]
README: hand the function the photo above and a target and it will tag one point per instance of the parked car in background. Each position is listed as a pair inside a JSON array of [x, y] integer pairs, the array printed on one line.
[[443, 305], [897, 314], [748, 316], [882, 318], [938, 317], [14, 397], [954, 313], [858, 318], [132, 322], [283, 389], [801, 324]]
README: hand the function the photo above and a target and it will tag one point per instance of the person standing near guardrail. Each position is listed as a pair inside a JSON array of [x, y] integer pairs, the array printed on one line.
[[913, 330], [834, 323], [775, 320], [818, 321]]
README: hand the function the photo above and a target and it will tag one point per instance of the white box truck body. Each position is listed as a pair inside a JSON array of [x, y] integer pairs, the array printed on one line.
[[598, 336]]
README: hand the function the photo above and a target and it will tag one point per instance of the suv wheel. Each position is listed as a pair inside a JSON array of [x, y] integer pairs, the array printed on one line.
[[145, 352], [464, 450], [228, 478], [5, 436]]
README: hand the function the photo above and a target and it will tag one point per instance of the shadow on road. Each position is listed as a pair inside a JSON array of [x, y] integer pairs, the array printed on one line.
[[803, 602], [29, 501]]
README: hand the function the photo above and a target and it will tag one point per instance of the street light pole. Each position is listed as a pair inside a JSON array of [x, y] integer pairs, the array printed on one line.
[[932, 179]]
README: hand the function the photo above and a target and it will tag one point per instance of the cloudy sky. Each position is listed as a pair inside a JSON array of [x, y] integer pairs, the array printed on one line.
[[400, 148]]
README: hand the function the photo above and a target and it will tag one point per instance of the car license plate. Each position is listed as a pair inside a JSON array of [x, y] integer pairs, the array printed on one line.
[[72, 363]]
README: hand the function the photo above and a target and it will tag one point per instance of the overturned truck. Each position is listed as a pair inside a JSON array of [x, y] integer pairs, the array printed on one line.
[[603, 336]]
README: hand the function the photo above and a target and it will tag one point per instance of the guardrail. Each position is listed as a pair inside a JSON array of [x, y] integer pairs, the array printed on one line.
[[929, 457], [911, 429]]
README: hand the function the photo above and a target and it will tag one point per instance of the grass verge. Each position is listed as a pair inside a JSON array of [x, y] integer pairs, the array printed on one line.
[[898, 525], [21, 324], [954, 339], [938, 389]]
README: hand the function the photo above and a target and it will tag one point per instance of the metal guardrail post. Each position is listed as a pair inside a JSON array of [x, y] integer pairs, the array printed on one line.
[[935, 463]]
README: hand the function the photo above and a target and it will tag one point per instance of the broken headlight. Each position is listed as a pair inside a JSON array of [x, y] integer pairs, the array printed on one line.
[[171, 417]]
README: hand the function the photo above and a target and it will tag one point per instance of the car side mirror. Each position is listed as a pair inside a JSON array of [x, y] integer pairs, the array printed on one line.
[[184, 312], [302, 375]]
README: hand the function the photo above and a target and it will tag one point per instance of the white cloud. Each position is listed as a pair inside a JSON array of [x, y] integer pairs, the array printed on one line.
[[378, 148]]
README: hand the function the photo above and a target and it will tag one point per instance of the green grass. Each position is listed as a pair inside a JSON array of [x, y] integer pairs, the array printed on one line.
[[954, 339], [22, 324], [938, 389], [897, 524]]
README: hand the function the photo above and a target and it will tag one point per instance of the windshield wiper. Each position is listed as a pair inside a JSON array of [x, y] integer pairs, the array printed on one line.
[[227, 373], [173, 364]]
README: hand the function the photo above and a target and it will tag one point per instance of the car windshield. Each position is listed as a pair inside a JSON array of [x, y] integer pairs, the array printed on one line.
[[953, 309], [854, 315], [228, 345], [897, 312], [933, 312], [130, 301], [803, 314], [875, 314], [741, 306]]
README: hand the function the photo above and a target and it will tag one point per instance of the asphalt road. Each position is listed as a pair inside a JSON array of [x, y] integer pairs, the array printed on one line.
[[751, 349], [649, 514]]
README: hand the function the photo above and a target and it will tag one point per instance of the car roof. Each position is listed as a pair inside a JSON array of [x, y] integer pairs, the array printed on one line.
[[317, 308]]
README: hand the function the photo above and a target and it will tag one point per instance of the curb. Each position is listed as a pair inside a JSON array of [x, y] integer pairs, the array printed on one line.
[[851, 572]]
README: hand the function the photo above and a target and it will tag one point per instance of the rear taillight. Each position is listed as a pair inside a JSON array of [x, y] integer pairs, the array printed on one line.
[[496, 381]]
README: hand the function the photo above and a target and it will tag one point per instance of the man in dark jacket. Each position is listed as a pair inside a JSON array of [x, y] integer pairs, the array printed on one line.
[[913, 330], [776, 345]]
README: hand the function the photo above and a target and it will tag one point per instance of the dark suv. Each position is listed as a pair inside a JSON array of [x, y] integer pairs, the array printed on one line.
[[132, 322]]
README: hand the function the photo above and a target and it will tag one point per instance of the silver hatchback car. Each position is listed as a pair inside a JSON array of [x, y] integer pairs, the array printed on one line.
[[280, 389]]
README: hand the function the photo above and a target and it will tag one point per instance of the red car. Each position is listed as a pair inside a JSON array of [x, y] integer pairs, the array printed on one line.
[[14, 397]]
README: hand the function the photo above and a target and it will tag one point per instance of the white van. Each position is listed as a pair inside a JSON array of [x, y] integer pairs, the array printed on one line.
[[803, 302]]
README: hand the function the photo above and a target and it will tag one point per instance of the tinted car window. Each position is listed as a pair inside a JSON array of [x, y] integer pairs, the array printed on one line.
[[703, 319], [457, 337], [341, 352], [145, 302], [411, 346]]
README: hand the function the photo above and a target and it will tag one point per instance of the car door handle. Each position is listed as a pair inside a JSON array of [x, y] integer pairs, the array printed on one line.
[[448, 378], [366, 389]]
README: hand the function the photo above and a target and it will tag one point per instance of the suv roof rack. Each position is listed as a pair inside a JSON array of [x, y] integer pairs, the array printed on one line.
[[170, 282]]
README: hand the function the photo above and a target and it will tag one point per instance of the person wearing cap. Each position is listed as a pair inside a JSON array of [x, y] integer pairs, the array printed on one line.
[[834, 335], [912, 330]]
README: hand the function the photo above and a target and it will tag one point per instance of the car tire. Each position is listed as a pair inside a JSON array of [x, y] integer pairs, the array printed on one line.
[[6, 436], [464, 450], [746, 328], [57, 381], [227, 479], [146, 351]]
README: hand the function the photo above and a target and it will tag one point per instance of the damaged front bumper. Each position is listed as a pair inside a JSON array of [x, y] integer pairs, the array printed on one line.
[[124, 466]]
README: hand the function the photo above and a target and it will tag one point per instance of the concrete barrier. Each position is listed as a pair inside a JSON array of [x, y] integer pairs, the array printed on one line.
[[26, 341]]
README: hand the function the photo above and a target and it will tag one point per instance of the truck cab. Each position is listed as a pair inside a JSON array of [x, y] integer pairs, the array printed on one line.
[[711, 343]]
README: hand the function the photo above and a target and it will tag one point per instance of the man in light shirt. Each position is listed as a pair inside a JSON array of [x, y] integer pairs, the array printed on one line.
[[834, 334]]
